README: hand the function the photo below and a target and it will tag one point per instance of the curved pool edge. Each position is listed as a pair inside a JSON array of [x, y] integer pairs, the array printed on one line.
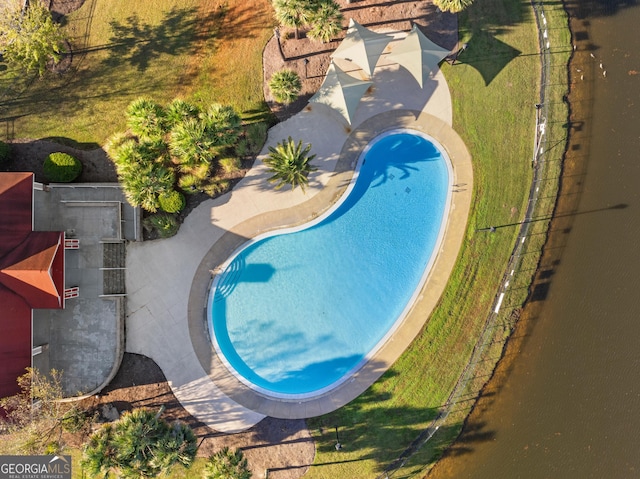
[[414, 321]]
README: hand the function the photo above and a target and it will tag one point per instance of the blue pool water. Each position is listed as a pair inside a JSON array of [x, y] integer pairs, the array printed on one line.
[[295, 312]]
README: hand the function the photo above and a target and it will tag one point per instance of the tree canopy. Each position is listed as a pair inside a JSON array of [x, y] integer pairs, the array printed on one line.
[[139, 445], [323, 16], [30, 38], [35, 417], [285, 86]]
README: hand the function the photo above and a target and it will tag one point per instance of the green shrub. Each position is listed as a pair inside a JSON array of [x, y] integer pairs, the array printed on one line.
[[5, 152], [74, 420], [285, 86], [62, 168], [172, 201], [190, 183], [227, 464], [216, 187], [165, 224], [230, 165], [242, 148], [257, 136]]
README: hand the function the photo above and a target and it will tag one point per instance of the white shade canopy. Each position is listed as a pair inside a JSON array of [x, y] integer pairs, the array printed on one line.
[[418, 54], [362, 46], [341, 92]]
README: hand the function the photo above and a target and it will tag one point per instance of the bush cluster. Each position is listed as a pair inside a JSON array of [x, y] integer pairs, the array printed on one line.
[[172, 147], [164, 224]]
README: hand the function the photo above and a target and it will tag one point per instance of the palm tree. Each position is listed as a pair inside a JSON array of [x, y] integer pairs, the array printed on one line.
[[326, 21], [285, 86], [142, 184], [227, 464], [146, 118], [290, 164], [139, 445], [191, 143], [223, 123], [180, 110], [453, 6], [196, 141], [293, 13]]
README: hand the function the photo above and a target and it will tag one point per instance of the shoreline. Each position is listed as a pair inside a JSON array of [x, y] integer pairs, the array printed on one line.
[[578, 100]]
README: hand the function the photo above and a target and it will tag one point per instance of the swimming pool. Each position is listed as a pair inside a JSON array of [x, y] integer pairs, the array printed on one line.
[[296, 311]]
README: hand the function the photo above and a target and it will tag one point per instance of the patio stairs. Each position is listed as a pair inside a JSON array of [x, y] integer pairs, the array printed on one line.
[[114, 256]]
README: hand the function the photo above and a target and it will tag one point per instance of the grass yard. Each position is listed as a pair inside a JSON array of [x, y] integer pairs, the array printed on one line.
[[124, 50]]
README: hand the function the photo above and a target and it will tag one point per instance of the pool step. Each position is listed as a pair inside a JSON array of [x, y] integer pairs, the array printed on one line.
[[228, 280]]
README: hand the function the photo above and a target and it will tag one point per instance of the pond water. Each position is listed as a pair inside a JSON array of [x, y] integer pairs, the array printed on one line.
[[567, 407]]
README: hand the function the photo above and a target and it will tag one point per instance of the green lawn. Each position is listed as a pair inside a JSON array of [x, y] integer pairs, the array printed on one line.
[[124, 50]]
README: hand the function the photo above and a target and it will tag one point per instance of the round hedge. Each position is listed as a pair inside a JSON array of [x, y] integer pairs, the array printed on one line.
[[172, 201], [62, 168], [5, 151]]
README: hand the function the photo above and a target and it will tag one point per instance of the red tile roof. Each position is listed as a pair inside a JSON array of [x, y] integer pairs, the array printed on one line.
[[31, 275]]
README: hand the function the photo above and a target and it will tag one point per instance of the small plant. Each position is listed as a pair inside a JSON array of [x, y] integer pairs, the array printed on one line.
[[256, 136], [230, 165], [453, 6], [164, 224], [290, 164], [285, 86], [190, 183], [62, 168], [5, 152], [215, 187], [227, 464], [74, 420], [242, 148], [172, 201]]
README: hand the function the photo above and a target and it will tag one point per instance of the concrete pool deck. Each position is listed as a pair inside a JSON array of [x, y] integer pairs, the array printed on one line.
[[168, 280]]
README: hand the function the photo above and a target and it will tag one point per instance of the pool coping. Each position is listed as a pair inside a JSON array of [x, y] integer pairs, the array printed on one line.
[[414, 321]]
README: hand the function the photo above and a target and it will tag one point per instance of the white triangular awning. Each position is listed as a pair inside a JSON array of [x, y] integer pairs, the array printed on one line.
[[362, 46], [341, 92], [419, 55]]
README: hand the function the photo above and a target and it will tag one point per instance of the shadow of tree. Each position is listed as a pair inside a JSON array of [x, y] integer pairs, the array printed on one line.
[[374, 427], [139, 43]]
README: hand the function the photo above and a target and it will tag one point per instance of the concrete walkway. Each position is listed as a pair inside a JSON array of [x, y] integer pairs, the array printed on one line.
[[167, 280]]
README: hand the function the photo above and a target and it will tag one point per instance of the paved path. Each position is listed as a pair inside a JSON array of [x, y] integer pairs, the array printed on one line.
[[167, 280]]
